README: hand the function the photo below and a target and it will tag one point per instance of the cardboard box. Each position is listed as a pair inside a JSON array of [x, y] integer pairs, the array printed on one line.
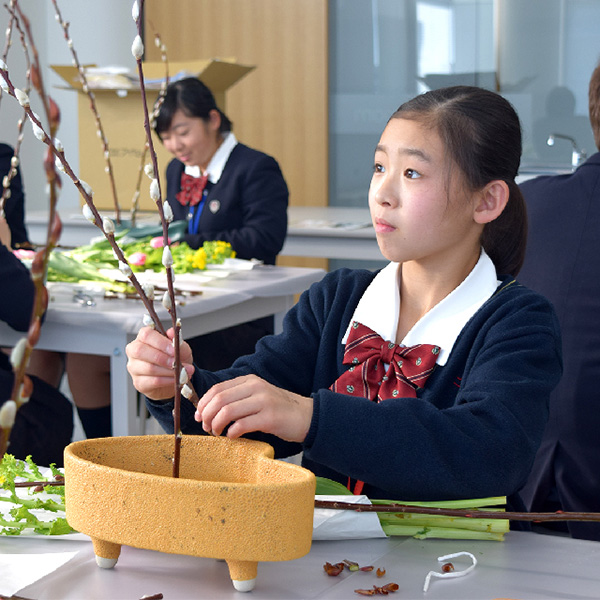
[[118, 99]]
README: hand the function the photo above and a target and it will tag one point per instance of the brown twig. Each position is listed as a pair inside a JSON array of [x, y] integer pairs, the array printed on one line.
[[138, 51], [14, 162], [159, 101], [94, 109], [105, 225], [457, 512]]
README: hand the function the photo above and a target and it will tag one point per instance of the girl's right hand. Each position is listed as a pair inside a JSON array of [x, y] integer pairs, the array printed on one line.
[[150, 363]]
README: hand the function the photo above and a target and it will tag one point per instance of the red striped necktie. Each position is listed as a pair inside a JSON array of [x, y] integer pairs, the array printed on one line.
[[367, 353]]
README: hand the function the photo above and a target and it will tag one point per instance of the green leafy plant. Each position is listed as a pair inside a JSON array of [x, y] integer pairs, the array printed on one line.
[[15, 472]]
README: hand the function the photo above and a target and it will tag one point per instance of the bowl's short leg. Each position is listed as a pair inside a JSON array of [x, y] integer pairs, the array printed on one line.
[[243, 574], [106, 553]]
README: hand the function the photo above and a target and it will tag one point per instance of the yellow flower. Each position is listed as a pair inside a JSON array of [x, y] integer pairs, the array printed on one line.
[[199, 259]]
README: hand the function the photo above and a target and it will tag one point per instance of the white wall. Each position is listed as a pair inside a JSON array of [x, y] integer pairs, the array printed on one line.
[[102, 32]]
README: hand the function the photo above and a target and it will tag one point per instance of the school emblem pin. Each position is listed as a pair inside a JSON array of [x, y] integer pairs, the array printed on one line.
[[214, 206]]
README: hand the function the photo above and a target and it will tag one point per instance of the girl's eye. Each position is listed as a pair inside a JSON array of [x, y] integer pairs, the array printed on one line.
[[411, 174], [378, 168]]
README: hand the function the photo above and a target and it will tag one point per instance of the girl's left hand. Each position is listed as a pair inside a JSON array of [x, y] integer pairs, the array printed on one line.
[[249, 403]]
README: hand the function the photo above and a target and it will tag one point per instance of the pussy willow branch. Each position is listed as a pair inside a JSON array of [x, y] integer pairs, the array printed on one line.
[[94, 109], [87, 196], [22, 385], [14, 163], [155, 111], [459, 512], [52, 117], [165, 227], [8, 36]]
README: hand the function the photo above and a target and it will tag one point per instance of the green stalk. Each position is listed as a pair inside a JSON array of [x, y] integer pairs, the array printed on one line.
[[396, 520], [442, 533]]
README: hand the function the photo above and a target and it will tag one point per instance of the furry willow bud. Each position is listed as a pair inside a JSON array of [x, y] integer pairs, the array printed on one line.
[[87, 188], [125, 269], [167, 257], [168, 212], [147, 321], [135, 11], [108, 225], [22, 97], [148, 290], [154, 190], [149, 170], [137, 48], [183, 376], [16, 356], [8, 412], [88, 214], [166, 301], [37, 130]]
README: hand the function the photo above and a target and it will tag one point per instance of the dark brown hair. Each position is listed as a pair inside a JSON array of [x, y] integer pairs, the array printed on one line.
[[594, 104], [192, 97], [481, 133]]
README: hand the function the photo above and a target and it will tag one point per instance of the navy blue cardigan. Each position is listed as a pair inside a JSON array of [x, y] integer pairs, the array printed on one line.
[[251, 197], [472, 431], [14, 208], [16, 300]]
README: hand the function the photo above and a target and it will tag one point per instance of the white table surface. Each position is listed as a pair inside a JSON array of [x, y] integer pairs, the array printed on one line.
[[105, 329], [524, 566]]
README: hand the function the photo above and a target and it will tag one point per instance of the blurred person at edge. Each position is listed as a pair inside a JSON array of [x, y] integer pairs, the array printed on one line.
[[562, 262]]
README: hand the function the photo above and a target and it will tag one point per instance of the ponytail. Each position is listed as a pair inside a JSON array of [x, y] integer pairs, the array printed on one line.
[[504, 239]]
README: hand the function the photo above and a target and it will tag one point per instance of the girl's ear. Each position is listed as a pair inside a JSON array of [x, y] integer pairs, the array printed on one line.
[[214, 119], [491, 201]]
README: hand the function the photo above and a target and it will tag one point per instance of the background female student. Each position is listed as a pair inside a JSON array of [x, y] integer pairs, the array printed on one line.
[[224, 189], [458, 408]]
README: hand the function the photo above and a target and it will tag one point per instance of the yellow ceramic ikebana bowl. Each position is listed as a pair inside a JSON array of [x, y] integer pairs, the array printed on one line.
[[232, 500]]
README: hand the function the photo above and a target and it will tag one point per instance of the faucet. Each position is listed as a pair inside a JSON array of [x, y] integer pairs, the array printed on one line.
[[577, 156]]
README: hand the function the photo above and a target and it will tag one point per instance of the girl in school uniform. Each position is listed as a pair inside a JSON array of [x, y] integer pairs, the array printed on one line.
[[224, 189], [428, 379]]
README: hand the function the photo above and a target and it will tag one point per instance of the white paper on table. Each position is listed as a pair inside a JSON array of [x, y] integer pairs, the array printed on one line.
[[330, 524], [20, 570]]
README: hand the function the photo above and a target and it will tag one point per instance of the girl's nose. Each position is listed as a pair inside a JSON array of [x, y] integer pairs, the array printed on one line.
[[384, 192]]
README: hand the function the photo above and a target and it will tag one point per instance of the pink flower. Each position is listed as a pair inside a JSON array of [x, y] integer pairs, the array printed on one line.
[[22, 254], [158, 242], [137, 258]]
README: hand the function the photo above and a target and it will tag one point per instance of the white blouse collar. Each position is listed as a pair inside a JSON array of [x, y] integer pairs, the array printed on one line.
[[218, 161], [379, 307]]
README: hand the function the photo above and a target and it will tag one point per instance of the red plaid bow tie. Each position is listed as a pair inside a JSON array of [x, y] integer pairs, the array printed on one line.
[[191, 189], [368, 353]]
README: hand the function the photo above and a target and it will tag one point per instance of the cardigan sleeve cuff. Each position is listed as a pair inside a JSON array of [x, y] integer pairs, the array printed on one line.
[[314, 424]]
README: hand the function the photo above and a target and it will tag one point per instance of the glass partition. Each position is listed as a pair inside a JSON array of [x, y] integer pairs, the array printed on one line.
[[538, 53]]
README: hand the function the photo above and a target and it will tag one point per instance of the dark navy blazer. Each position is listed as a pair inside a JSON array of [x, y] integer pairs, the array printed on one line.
[[247, 207], [563, 264], [14, 208]]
